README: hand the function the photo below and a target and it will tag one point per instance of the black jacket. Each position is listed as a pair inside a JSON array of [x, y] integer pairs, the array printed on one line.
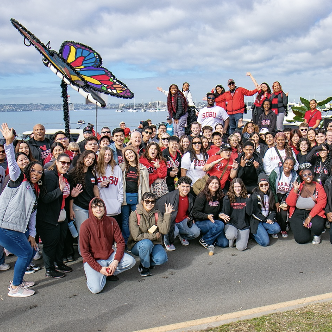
[[50, 199], [202, 208], [35, 150], [268, 121]]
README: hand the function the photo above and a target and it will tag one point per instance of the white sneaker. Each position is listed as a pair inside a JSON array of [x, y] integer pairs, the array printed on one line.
[[25, 284], [183, 241], [37, 256], [4, 267], [20, 291], [316, 240], [170, 247], [275, 236]]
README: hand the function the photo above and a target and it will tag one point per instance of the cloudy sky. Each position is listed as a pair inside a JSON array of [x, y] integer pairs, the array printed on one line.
[[156, 43]]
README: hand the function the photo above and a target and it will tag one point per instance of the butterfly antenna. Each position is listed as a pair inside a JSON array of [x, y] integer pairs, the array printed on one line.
[[27, 42]]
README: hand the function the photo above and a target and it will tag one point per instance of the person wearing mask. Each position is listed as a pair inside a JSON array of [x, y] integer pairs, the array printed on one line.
[[101, 260], [173, 162], [182, 225]]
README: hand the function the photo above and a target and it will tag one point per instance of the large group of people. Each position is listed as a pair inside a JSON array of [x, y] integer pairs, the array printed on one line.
[[203, 174]]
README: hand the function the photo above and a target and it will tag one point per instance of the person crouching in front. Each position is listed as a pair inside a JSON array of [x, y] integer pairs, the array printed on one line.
[[97, 236]]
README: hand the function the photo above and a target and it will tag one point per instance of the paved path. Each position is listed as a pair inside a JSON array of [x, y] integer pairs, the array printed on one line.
[[191, 285]]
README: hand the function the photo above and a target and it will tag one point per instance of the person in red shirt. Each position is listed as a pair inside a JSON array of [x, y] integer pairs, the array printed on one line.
[[314, 116], [222, 165], [98, 234], [234, 99]]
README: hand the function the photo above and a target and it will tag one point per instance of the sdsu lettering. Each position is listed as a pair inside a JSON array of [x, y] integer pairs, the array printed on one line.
[[112, 179], [215, 203], [171, 164], [238, 206], [209, 115], [199, 162]]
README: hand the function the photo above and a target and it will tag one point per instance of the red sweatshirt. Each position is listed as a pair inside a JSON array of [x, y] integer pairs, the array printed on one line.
[[235, 101], [97, 238], [154, 173]]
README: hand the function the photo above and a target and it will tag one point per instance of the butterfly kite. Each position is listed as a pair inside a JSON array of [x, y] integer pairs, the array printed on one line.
[[79, 66]]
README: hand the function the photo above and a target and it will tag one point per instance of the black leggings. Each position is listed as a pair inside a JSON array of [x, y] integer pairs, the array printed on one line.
[[302, 234]]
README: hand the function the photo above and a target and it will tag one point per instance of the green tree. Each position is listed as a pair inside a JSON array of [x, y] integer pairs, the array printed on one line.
[[300, 111]]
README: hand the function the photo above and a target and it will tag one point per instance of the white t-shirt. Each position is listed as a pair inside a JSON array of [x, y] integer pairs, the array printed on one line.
[[194, 168], [284, 184], [211, 116], [271, 160]]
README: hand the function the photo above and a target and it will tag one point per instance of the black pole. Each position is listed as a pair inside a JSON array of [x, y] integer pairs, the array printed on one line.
[[96, 118], [64, 94]]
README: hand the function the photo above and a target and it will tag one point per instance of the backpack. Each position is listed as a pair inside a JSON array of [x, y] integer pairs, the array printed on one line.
[[139, 217]]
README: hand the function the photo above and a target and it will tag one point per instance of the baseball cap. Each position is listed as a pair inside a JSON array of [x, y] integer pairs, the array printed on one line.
[[230, 81]]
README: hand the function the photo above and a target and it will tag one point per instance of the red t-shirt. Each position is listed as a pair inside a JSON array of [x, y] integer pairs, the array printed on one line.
[[218, 169], [182, 209], [313, 116]]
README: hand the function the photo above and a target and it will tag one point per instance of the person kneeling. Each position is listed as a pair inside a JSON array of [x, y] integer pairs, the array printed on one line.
[[146, 225], [97, 236]]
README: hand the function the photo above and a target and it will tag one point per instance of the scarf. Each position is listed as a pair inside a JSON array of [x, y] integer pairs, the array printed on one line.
[[274, 100]]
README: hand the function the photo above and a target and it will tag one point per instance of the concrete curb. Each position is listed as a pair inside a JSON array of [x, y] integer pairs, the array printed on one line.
[[215, 321]]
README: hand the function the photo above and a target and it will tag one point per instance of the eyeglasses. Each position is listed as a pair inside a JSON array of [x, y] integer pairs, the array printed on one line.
[[87, 132], [148, 201], [105, 132], [261, 185], [148, 132], [211, 98], [62, 139], [64, 163], [197, 142], [307, 175], [36, 172]]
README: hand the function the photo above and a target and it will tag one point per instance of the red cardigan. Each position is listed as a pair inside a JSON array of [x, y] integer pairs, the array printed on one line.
[[154, 173], [320, 199]]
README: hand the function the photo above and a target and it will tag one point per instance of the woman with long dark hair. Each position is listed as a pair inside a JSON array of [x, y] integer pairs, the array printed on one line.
[[263, 220], [218, 91], [257, 109], [279, 102], [303, 146], [193, 161], [156, 165], [23, 146], [177, 109], [237, 209], [295, 136], [83, 174], [207, 214], [18, 205], [135, 184], [268, 118], [56, 149]]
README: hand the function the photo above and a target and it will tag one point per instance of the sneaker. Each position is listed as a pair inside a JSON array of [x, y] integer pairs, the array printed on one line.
[[29, 270], [70, 258], [170, 247], [284, 234], [327, 225], [20, 291], [4, 267], [144, 271], [203, 243], [274, 236], [35, 267], [8, 253], [54, 274], [37, 256], [65, 260], [26, 284], [63, 268], [211, 249], [316, 239], [183, 241]]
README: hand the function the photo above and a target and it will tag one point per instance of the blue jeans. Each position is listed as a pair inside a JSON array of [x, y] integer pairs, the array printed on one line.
[[125, 212], [2, 255], [18, 244], [150, 254], [97, 281], [233, 120], [263, 231], [188, 233], [213, 232]]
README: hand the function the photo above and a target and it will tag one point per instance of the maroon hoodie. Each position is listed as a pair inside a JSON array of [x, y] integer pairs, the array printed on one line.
[[97, 238]]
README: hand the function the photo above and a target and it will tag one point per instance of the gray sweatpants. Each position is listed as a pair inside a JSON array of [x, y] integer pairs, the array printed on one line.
[[241, 236], [180, 126], [280, 121]]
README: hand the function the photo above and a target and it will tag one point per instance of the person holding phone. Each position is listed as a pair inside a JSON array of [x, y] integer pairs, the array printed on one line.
[[307, 201]]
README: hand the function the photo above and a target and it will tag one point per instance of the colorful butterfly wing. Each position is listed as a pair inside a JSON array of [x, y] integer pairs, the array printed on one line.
[[87, 63]]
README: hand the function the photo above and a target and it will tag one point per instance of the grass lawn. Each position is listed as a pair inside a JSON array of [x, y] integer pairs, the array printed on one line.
[[313, 318]]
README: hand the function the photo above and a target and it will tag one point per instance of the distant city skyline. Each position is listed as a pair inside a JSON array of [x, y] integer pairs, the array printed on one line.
[[172, 42]]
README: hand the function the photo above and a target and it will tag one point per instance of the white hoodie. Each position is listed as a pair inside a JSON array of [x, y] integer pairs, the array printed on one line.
[[113, 194]]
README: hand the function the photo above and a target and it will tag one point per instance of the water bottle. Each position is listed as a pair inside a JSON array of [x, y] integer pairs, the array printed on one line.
[[72, 229]]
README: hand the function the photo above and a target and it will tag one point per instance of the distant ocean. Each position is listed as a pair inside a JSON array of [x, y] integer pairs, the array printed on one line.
[[23, 121]]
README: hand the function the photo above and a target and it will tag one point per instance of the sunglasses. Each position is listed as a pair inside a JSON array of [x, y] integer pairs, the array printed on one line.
[[61, 139], [165, 139], [211, 98], [304, 129], [261, 185], [148, 201], [148, 132], [74, 151], [64, 163], [197, 143], [2, 151], [105, 132], [232, 83]]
